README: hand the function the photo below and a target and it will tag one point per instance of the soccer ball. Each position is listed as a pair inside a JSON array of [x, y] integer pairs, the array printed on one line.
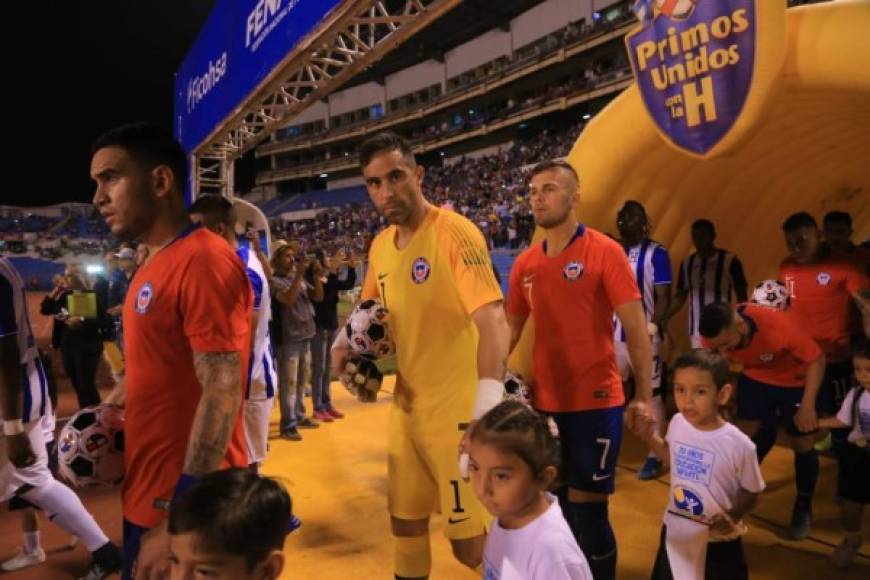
[[676, 9], [362, 378], [771, 293], [368, 331], [516, 390], [90, 449]]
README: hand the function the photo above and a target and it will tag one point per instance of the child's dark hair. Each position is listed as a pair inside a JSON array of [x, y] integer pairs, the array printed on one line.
[[706, 360], [512, 427], [861, 348], [234, 511]]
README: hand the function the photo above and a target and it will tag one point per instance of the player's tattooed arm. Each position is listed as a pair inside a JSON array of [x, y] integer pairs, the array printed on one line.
[[219, 373]]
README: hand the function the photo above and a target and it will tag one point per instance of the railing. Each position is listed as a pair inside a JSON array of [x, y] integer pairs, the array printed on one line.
[[609, 83], [512, 72]]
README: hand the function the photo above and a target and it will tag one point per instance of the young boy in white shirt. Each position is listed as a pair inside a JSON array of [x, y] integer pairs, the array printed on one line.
[[715, 477], [853, 475]]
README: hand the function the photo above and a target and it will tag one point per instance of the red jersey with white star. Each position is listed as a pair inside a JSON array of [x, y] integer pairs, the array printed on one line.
[[778, 352], [191, 296], [572, 298], [821, 299]]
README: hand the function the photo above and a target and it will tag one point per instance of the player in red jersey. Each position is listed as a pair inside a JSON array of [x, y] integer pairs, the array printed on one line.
[[782, 371], [837, 232], [573, 282], [824, 284], [186, 320]]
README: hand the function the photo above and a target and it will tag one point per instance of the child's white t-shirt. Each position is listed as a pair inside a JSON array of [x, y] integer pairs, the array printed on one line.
[[544, 549], [708, 468], [862, 429]]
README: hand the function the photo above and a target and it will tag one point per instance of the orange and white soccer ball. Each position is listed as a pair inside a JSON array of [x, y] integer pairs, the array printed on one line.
[[676, 9]]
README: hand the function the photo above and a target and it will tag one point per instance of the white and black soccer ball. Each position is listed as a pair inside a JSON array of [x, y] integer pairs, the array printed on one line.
[[515, 389], [368, 330], [771, 293], [90, 448]]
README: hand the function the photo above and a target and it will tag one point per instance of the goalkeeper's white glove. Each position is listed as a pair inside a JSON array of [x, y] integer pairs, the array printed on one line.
[[490, 392]]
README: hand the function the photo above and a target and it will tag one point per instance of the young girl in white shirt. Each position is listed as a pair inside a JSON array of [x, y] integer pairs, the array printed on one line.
[[514, 460]]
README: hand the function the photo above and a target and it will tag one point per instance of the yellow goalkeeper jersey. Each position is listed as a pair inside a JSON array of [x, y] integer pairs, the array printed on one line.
[[431, 288]]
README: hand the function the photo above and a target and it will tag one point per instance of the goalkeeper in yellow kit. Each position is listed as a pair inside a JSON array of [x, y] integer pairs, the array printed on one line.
[[432, 270]]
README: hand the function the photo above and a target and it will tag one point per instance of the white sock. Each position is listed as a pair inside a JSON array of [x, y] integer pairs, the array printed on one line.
[[31, 542], [65, 509]]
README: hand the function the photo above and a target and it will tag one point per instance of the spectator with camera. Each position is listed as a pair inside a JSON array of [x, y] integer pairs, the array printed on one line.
[[293, 328]]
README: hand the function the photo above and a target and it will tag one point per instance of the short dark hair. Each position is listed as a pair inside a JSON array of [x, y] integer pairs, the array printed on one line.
[[148, 144], [234, 511], [216, 207], [703, 223], [385, 141], [798, 221], [555, 164], [861, 348], [715, 317], [512, 427], [705, 360], [838, 217], [635, 204]]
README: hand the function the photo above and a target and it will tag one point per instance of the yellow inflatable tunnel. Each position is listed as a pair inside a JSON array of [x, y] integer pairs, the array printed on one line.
[[808, 148]]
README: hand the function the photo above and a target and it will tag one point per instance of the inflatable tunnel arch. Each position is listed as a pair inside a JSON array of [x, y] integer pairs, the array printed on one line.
[[808, 148]]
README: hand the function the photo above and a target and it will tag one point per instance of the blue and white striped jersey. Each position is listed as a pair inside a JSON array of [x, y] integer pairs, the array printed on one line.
[[651, 265], [15, 321], [262, 377]]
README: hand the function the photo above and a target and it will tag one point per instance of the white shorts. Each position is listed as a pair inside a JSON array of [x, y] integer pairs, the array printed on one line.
[[257, 417], [623, 362], [37, 475]]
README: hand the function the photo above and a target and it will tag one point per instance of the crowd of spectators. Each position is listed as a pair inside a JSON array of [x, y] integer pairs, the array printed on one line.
[[490, 190], [75, 229]]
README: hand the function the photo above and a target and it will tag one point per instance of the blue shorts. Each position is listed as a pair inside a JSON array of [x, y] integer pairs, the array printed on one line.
[[769, 404], [590, 443], [132, 540]]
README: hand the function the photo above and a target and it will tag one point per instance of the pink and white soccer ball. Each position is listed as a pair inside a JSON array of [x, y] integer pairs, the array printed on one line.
[[677, 9], [368, 330], [771, 293], [90, 449]]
